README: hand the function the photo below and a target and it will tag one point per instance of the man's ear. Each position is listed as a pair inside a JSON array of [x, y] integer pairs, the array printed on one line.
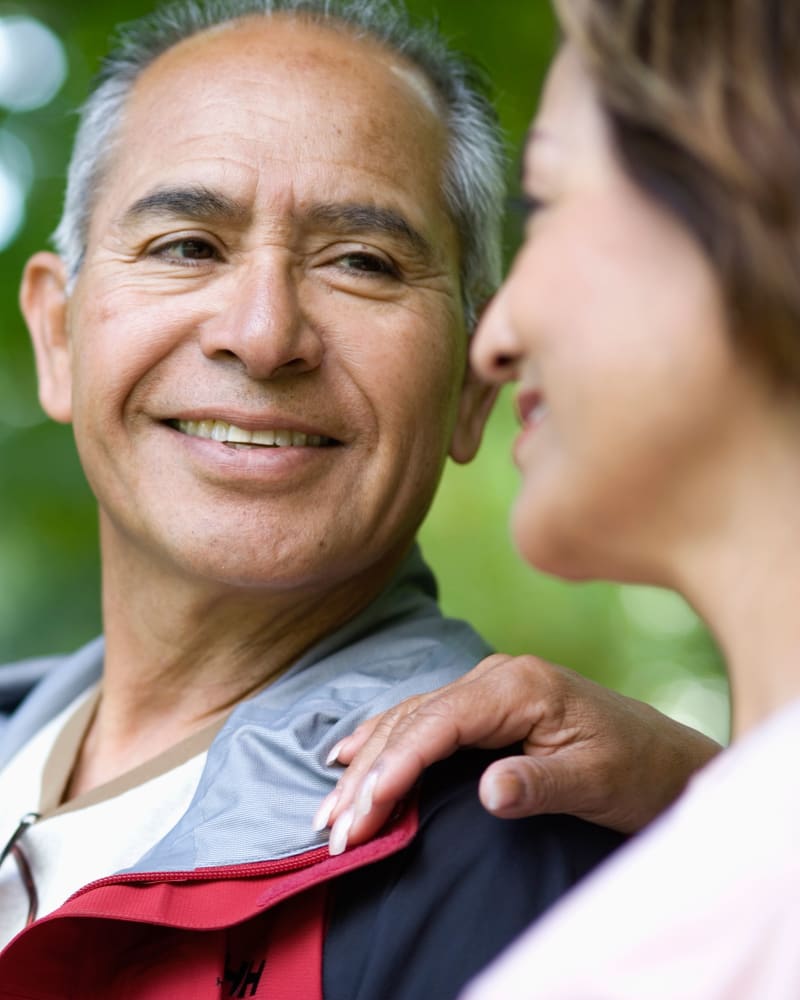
[[475, 405], [43, 300]]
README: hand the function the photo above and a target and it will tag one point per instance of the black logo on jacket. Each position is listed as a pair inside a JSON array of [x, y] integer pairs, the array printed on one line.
[[248, 975]]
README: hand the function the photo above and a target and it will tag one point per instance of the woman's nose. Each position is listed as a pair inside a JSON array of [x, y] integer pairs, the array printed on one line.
[[495, 351]]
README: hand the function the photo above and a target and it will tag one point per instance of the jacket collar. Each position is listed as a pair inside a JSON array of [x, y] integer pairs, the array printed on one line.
[[265, 773]]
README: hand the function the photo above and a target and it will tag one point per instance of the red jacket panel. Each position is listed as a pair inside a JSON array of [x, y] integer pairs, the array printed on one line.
[[240, 931]]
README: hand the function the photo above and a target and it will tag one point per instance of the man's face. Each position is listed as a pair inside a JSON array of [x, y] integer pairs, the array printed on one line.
[[269, 260]]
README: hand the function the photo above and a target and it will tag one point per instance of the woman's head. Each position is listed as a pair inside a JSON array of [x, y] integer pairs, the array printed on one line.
[[656, 299], [703, 102]]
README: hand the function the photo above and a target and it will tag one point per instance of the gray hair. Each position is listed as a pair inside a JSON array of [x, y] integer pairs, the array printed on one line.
[[473, 179]]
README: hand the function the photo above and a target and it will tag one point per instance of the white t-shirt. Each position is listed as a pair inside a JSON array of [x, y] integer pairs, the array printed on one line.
[[95, 834], [704, 905]]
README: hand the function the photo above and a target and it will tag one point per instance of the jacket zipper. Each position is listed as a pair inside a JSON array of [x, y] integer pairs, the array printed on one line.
[[14, 849], [281, 866]]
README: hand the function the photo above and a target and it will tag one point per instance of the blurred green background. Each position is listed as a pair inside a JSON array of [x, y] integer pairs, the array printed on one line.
[[638, 640]]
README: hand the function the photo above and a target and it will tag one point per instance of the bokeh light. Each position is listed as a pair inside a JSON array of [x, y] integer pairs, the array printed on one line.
[[661, 612], [33, 65], [700, 702], [16, 177], [12, 206]]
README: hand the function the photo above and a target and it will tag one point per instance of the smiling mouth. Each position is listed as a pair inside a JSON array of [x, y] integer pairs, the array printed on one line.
[[531, 407], [230, 434]]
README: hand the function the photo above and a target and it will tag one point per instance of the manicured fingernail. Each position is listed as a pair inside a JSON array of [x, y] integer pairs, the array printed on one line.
[[340, 832], [364, 797], [333, 755], [323, 814], [502, 791]]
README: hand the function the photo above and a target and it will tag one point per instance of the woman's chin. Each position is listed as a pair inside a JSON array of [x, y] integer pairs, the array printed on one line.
[[563, 544], [558, 561], [544, 544]]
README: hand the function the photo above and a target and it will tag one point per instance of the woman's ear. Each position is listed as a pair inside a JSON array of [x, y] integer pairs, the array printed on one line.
[[43, 300], [475, 405]]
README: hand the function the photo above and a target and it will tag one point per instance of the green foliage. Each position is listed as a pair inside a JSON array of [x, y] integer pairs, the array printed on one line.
[[645, 643]]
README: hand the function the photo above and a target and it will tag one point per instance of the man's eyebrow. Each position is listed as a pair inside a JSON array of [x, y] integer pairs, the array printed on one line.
[[355, 219], [205, 204], [192, 202]]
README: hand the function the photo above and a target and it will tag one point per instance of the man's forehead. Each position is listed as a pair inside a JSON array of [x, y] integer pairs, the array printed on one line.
[[301, 44], [288, 81], [242, 110]]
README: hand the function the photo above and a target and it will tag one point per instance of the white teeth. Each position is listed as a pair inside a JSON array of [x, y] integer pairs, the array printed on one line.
[[239, 436], [218, 430], [539, 412], [264, 437]]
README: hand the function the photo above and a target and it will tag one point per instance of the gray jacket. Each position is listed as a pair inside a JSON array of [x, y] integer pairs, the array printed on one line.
[[265, 773]]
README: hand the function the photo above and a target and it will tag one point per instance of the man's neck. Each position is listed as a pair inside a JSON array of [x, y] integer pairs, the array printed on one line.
[[180, 655]]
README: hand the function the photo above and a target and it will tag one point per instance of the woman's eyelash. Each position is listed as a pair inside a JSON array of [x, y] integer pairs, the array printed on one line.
[[525, 206]]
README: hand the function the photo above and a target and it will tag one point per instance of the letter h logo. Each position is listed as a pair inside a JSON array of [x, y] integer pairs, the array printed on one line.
[[246, 975]]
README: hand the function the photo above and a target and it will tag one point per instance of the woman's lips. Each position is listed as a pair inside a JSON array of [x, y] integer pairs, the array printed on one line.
[[531, 407], [531, 410]]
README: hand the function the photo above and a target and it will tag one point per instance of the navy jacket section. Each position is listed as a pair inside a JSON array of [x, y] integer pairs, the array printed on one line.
[[420, 924]]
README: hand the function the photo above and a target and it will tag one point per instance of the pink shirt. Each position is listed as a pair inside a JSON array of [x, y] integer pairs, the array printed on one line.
[[704, 905]]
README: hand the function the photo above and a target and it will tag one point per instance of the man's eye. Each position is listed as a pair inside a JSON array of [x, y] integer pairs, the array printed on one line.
[[188, 249], [368, 263]]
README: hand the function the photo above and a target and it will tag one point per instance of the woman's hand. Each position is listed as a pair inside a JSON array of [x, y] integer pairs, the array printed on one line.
[[588, 751]]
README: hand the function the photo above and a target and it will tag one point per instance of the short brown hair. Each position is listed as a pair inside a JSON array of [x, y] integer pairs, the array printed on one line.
[[703, 98]]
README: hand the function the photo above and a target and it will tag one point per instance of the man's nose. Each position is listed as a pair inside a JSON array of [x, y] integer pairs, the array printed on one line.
[[264, 324]]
